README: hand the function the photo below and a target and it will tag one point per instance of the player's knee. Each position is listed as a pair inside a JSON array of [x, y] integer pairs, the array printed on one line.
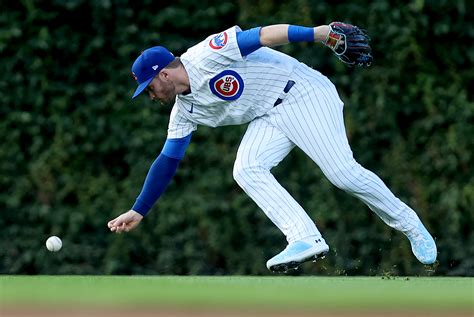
[[348, 178], [239, 174], [244, 173]]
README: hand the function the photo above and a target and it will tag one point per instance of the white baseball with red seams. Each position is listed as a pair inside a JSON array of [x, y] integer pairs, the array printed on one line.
[[229, 89], [54, 244]]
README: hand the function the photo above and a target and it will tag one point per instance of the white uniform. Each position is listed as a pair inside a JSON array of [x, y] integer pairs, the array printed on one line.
[[228, 89]]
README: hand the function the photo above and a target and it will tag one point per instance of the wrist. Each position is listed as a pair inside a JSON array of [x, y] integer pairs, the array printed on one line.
[[321, 33], [141, 207], [136, 213], [298, 33]]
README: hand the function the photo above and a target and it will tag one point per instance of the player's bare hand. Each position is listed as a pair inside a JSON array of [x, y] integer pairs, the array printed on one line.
[[125, 222]]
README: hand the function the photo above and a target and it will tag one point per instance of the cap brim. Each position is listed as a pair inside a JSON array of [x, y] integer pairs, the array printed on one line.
[[142, 87]]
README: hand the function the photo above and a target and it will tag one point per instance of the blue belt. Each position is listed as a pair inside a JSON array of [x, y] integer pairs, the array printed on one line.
[[287, 88]]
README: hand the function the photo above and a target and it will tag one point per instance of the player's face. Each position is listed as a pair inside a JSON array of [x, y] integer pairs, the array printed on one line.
[[161, 89]]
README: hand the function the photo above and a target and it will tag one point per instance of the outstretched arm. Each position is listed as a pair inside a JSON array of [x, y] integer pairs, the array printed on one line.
[[160, 174], [348, 42], [279, 34]]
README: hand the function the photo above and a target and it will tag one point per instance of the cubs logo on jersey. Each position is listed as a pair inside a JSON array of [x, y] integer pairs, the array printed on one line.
[[219, 41], [227, 85]]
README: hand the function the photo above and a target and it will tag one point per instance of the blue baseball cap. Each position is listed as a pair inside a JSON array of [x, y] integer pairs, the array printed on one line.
[[148, 64]]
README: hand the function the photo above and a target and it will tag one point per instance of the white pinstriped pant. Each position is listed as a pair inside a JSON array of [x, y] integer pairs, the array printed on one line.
[[310, 117]]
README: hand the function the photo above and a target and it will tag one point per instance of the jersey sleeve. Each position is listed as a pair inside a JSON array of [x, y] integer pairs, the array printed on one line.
[[222, 48], [179, 125]]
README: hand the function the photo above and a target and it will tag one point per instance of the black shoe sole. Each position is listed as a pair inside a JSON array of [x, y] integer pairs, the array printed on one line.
[[294, 265]]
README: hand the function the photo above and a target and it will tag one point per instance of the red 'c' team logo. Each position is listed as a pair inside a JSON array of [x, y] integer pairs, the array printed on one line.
[[219, 41], [228, 85]]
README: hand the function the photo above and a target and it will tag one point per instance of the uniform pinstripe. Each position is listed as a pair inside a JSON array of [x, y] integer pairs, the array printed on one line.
[[310, 117]]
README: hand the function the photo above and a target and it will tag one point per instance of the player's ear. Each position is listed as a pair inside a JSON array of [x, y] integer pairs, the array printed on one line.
[[164, 73]]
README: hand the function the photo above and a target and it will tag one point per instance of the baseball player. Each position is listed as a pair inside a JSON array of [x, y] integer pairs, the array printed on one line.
[[233, 77]]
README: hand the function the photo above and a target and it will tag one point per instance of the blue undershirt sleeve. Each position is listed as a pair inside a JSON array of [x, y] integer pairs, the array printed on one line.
[[249, 41], [175, 148], [160, 174]]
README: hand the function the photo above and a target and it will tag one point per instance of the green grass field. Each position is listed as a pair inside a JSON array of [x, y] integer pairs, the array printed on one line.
[[233, 292]]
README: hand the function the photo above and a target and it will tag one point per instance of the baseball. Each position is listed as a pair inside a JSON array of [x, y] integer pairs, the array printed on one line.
[[54, 244]]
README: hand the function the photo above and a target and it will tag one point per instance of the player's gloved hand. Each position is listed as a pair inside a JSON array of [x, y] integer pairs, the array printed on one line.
[[349, 43], [125, 222]]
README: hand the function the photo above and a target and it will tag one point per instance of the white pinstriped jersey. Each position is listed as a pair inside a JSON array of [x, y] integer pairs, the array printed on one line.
[[226, 88]]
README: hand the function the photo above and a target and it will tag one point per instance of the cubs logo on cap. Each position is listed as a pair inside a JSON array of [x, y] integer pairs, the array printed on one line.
[[227, 85], [219, 41]]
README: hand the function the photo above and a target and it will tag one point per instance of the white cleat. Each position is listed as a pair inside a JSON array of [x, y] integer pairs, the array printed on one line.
[[298, 252]]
